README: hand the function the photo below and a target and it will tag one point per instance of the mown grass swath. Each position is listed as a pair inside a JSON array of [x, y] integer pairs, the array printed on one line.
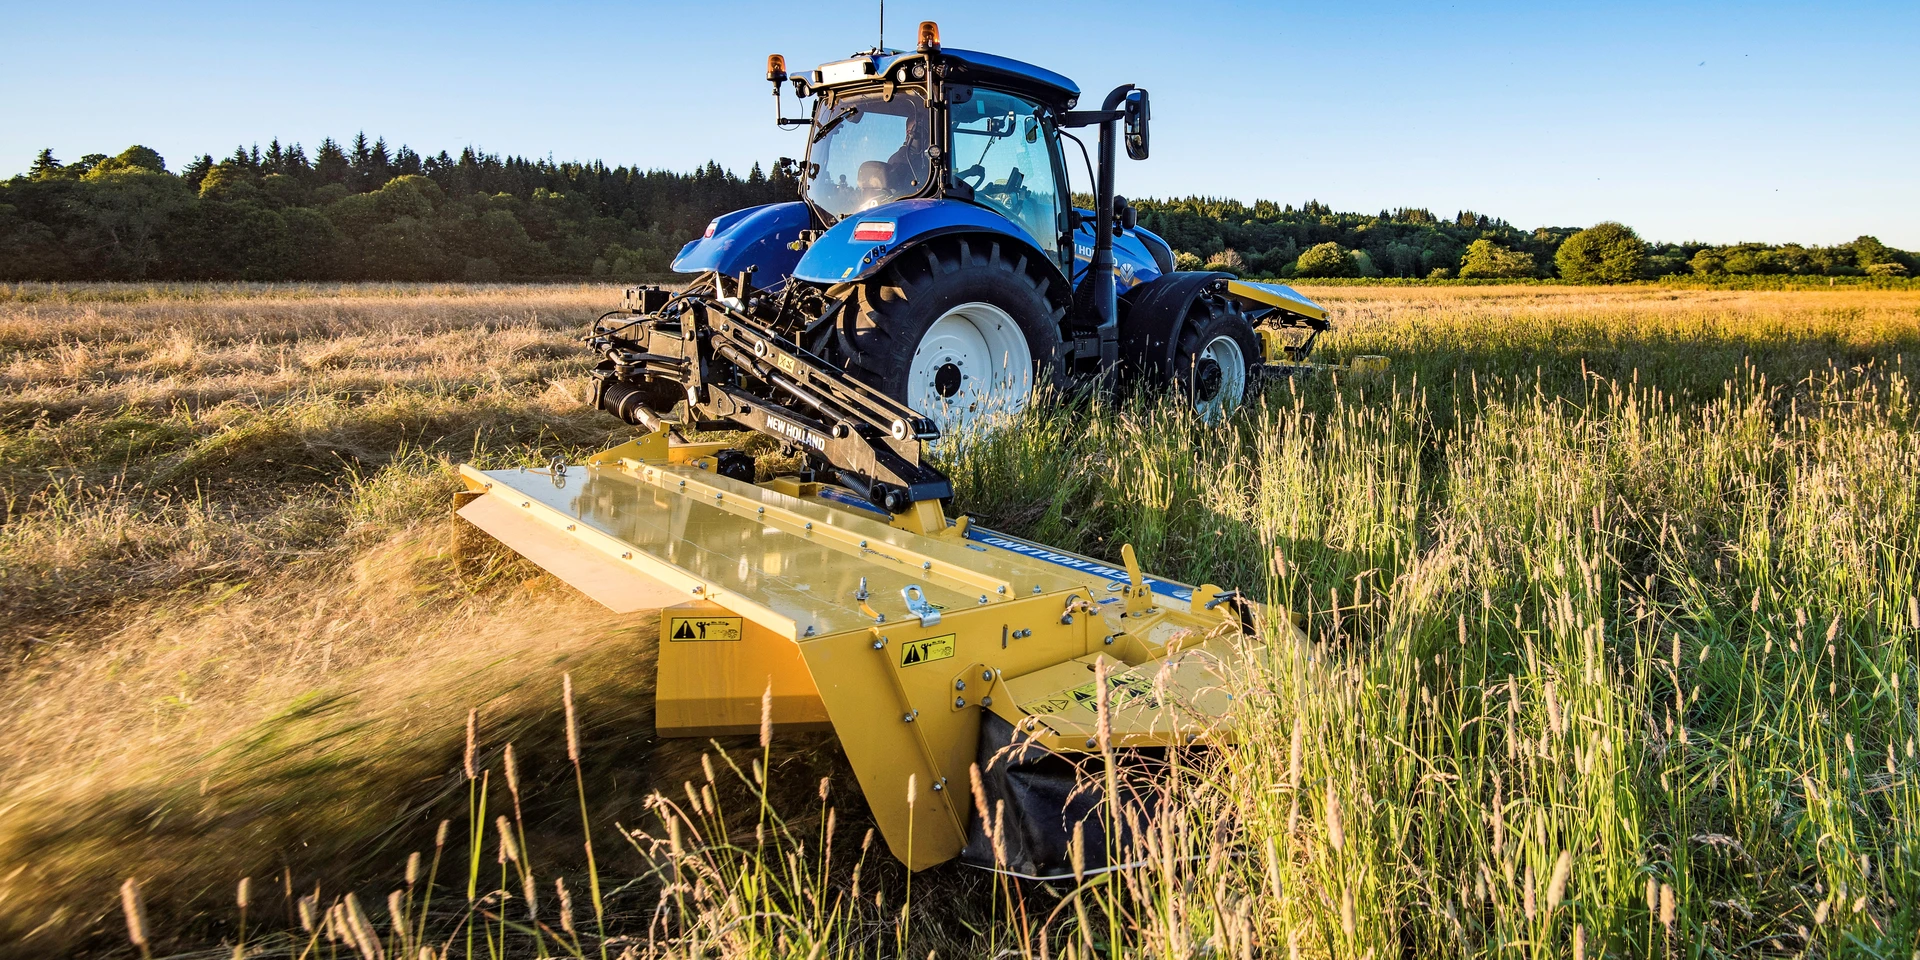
[[1611, 598]]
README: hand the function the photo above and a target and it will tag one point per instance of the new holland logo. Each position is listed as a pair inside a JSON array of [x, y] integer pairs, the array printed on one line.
[[697, 629], [797, 432], [926, 651]]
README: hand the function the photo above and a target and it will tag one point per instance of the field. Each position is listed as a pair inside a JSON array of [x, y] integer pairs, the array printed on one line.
[[1611, 596]]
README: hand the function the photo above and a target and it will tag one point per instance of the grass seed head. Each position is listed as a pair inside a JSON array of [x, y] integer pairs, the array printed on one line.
[[413, 868], [473, 738], [1557, 886], [242, 890], [509, 851], [573, 726], [565, 897], [513, 773], [1336, 831], [135, 907], [766, 715]]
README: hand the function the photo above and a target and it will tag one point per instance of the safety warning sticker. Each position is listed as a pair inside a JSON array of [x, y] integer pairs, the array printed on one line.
[[1122, 690], [926, 651], [696, 629]]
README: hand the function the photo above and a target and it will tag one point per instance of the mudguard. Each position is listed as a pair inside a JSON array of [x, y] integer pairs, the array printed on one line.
[[837, 257], [1152, 311], [755, 237]]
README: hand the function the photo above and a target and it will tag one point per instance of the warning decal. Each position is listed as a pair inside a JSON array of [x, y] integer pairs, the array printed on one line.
[[696, 629], [1122, 690], [926, 651]]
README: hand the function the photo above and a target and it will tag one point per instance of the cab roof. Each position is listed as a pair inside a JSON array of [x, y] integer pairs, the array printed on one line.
[[986, 69]]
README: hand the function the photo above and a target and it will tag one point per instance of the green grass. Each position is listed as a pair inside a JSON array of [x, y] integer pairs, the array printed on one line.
[[1613, 643]]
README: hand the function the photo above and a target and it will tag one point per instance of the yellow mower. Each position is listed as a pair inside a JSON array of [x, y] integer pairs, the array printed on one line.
[[926, 645]]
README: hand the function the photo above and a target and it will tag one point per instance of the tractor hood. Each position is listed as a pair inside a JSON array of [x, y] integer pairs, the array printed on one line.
[[755, 237]]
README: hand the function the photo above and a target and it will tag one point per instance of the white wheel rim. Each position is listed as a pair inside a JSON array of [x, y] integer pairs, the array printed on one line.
[[1226, 352], [985, 347]]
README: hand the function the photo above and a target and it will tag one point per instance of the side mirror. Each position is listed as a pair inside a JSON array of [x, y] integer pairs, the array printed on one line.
[[1136, 123]]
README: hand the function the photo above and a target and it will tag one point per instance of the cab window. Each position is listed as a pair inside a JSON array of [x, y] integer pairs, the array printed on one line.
[[867, 150], [1003, 147]]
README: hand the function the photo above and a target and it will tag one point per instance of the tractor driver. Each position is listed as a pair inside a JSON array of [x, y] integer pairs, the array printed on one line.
[[907, 168]]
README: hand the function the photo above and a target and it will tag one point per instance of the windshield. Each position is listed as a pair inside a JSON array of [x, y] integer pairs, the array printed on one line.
[[867, 150]]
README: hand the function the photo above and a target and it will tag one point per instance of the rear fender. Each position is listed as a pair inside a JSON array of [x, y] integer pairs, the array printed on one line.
[[1151, 313], [757, 237]]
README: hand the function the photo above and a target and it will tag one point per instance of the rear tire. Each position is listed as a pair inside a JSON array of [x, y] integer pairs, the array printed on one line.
[[958, 330]]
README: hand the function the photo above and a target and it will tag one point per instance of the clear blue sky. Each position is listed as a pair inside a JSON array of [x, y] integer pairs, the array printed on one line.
[[1718, 122]]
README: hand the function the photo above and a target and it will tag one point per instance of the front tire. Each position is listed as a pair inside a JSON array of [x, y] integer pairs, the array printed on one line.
[[959, 330], [1213, 363]]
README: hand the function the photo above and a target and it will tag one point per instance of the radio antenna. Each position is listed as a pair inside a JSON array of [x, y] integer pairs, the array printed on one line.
[[883, 26]]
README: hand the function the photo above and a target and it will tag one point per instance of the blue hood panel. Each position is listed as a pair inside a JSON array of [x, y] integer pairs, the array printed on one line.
[[1133, 263], [755, 237], [837, 257]]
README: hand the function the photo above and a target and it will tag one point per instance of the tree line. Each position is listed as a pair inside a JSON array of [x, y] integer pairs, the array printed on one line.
[[1268, 239], [365, 211], [357, 212]]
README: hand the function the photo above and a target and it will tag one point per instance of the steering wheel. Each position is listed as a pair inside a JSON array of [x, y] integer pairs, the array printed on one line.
[[973, 176], [1011, 188]]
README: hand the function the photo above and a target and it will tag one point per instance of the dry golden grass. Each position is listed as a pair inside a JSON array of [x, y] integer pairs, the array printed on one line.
[[236, 644]]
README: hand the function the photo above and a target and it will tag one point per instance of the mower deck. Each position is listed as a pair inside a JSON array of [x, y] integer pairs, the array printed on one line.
[[897, 640]]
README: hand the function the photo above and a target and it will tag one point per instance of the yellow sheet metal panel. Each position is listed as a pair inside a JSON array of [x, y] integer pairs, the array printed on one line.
[[790, 564], [715, 666], [1275, 295], [941, 677], [620, 587]]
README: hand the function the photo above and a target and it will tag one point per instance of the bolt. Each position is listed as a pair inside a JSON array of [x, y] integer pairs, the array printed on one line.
[[1002, 588], [959, 701], [1089, 743], [569, 526], [959, 684], [683, 483], [809, 632], [1066, 618], [877, 644], [1036, 588], [927, 566], [863, 544], [983, 598], [809, 524], [763, 510], [986, 701], [907, 717], [986, 675], [1109, 640], [627, 556], [939, 787]]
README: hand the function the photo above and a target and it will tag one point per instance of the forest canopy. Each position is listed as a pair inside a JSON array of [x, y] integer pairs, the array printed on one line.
[[365, 211]]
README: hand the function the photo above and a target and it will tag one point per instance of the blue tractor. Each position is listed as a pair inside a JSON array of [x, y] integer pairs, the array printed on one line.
[[933, 271]]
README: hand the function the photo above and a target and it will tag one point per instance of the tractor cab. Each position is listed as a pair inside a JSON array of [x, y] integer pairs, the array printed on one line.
[[933, 123]]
